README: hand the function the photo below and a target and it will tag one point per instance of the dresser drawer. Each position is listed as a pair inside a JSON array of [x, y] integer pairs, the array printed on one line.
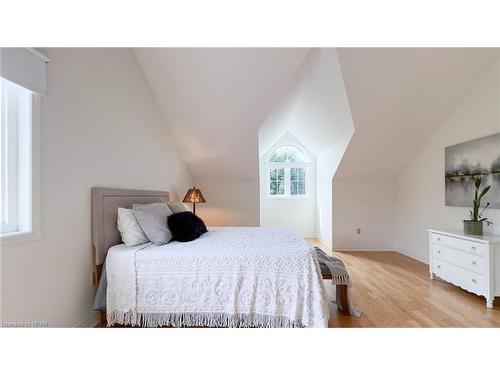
[[465, 279], [460, 258], [457, 243]]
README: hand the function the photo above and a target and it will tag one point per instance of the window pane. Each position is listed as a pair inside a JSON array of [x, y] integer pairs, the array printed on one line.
[[302, 173], [277, 181], [281, 174], [278, 156], [281, 188], [273, 188], [297, 181], [288, 154], [273, 174], [302, 187], [15, 158]]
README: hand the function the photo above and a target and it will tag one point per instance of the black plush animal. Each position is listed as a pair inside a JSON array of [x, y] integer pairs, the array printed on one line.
[[186, 226]]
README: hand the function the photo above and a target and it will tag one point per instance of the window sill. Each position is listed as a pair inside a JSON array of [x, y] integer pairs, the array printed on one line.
[[287, 198], [7, 239]]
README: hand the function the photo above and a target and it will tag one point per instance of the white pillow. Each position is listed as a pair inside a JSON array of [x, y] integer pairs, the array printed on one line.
[[131, 232], [176, 207]]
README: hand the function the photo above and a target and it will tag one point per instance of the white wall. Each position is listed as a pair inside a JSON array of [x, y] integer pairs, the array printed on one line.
[[327, 164], [368, 204], [316, 111], [230, 203], [101, 127], [421, 186]]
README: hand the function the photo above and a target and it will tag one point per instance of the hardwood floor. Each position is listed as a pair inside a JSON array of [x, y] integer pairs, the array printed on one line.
[[394, 290]]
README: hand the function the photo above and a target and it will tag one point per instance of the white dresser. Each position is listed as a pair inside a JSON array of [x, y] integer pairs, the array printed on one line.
[[470, 262]]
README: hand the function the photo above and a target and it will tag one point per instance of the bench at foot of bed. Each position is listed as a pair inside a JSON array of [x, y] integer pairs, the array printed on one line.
[[340, 273], [341, 295]]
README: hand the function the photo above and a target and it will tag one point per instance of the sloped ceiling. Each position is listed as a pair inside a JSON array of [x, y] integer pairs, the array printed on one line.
[[399, 97], [215, 99], [315, 108]]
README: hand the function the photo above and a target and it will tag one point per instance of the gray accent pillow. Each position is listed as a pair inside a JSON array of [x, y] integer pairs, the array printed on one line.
[[176, 207], [152, 219]]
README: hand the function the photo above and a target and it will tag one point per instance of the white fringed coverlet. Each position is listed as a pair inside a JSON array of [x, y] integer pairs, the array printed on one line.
[[229, 277]]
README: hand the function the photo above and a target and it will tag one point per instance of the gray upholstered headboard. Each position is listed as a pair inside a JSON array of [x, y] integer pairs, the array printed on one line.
[[105, 203]]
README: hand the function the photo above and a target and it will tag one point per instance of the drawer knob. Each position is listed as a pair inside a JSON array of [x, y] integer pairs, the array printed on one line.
[[474, 281], [473, 248], [474, 263], [439, 266], [439, 238], [439, 251]]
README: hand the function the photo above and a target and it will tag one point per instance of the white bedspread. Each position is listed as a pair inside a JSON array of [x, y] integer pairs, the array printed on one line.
[[229, 277]]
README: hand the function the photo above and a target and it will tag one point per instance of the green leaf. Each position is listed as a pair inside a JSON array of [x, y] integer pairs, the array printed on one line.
[[484, 208], [485, 190]]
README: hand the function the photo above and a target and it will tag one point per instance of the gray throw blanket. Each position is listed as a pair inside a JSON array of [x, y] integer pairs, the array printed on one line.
[[340, 276]]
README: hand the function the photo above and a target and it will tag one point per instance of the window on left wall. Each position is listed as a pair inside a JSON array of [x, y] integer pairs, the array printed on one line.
[[16, 175], [23, 85]]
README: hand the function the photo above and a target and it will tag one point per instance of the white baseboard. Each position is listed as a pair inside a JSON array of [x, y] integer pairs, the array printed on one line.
[[413, 255], [90, 322], [340, 247]]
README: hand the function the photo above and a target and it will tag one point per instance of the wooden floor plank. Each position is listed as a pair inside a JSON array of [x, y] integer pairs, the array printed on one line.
[[394, 290]]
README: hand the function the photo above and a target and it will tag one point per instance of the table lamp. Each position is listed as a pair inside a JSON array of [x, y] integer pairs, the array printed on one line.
[[194, 196]]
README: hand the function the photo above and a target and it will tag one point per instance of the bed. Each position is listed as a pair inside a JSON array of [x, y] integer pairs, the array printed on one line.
[[229, 277]]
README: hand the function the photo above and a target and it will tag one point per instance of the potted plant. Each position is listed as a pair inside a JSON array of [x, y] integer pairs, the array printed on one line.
[[474, 226]]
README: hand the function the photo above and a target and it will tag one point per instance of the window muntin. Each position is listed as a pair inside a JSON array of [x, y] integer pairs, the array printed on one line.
[[15, 158]]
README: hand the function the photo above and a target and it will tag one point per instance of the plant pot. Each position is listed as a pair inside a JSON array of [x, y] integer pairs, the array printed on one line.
[[474, 228]]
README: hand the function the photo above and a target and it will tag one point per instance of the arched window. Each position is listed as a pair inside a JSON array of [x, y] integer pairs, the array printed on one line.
[[288, 171]]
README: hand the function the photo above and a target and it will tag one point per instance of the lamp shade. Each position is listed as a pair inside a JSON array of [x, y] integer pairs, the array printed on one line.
[[194, 196]]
